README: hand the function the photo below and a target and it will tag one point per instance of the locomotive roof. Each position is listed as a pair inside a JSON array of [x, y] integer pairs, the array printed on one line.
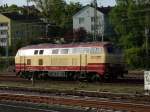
[[47, 45]]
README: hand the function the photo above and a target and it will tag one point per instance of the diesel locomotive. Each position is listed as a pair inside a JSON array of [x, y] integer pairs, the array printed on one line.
[[92, 61]]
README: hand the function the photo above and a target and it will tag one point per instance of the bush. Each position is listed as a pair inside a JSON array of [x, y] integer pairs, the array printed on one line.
[[7, 64], [136, 58]]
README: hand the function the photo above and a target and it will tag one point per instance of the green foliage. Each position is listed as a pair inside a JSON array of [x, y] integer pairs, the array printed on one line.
[[136, 58], [130, 19], [70, 10], [24, 9], [6, 63], [2, 51], [80, 35], [58, 11]]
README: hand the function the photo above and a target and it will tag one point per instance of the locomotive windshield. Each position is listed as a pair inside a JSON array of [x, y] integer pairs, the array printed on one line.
[[113, 50]]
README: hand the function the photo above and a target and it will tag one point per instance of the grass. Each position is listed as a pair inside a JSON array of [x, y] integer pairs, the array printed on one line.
[[61, 85]]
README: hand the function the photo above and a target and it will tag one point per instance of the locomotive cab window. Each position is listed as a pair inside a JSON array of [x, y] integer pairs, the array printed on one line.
[[36, 52], [110, 49], [41, 52], [40, 62], [118, 50]]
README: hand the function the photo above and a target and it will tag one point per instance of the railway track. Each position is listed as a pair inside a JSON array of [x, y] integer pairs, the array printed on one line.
[[77, 93], [5, 77], [10, 108], [99, 104], [127, 79], [7, 106], [132, 103], [139, 98]]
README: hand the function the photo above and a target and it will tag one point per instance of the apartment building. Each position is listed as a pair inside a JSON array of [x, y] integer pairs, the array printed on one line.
[[15, 26]]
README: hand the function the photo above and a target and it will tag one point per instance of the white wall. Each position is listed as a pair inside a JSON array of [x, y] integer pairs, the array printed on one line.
[[87, 13]]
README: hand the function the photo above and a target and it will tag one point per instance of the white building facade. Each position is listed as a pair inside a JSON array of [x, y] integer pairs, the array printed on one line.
[[85, 19]]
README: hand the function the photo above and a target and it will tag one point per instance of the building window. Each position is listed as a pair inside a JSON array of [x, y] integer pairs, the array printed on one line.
[[3, 24], [81, 20], [92, 19], [3, 40], [40, 62], [3, 32], [36, 52], [92, 27], [28, 61]]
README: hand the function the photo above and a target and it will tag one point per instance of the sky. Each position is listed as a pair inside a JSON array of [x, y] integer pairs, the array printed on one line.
[[84, 2]]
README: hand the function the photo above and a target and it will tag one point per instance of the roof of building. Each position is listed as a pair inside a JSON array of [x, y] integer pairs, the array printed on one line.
[[47, 45], [19, 17], [104, 10]]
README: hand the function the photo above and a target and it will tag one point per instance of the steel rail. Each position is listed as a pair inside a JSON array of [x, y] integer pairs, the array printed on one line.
[[132, 107], [28, 108], [139, 98]]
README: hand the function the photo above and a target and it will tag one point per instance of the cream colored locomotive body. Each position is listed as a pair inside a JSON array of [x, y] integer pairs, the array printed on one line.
[[90, 60]]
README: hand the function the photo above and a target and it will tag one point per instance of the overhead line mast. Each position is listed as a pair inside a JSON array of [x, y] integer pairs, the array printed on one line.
[[95, 21]]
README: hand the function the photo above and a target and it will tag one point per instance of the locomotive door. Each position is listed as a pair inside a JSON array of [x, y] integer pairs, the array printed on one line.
[[22, 63], [83, 62]]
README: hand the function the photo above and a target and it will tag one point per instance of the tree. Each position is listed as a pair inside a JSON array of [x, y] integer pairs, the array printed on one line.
[[71, 9], [130, 19], [12, 8], [80, 35], [53, 10], [58, 12]]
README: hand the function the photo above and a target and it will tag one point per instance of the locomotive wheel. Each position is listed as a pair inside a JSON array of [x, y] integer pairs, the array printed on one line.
[[111, 77], [75, 77], [93, 77]]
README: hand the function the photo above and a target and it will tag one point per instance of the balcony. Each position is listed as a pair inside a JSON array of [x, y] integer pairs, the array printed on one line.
[[3, 36], [3, 44], [3, 41], [3, 27]]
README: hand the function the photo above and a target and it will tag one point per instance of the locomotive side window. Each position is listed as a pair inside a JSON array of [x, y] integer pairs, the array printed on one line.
[[86, 50], [75, 50], [64, 51], [41, 52], [55, 51], [95, 50], [36, 52], [28, 61], [81, 50], [40, 62]]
